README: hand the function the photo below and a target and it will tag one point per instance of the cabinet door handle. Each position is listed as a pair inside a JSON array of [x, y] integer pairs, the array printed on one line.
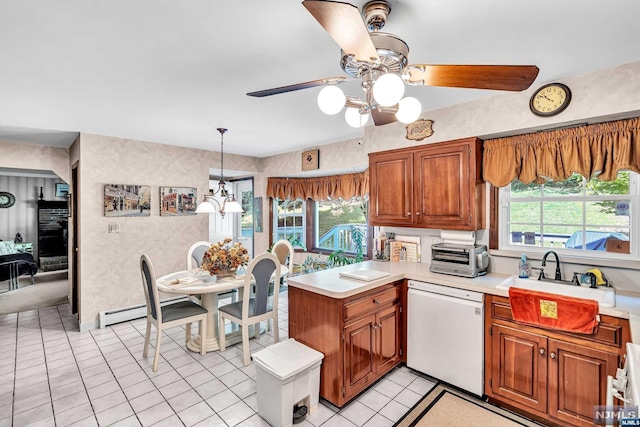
[[408, 213], [375, 326], [552, 355], [542, 352], [418, 213], [376, 301]]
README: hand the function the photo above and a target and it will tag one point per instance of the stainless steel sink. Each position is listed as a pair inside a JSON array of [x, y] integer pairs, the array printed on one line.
[[605, 296]]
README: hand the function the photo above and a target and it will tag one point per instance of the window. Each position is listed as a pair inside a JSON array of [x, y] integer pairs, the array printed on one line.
[[289, 219], [335, 225], [336, 221], [572, 217]]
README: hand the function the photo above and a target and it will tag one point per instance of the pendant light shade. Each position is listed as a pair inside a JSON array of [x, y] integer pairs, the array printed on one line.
[[229, 204]]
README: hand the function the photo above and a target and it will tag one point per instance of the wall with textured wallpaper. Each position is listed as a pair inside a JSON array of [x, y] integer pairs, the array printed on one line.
[[35, 157], [110, 263], [601, 96]]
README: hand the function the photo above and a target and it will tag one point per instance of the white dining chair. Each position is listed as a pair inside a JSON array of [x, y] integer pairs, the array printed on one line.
[[254, 309], [283, 249], [168, 316]]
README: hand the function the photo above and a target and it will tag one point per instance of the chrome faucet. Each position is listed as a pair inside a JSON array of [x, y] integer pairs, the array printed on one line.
[[544, 263]]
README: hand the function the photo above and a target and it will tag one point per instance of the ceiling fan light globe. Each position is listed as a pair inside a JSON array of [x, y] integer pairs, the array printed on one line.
[[354, 118], [388, 89], [409, 110], [331, 100]]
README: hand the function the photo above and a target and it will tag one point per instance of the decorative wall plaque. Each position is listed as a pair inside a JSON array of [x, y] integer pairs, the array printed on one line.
[[419, 130], [310, 160]]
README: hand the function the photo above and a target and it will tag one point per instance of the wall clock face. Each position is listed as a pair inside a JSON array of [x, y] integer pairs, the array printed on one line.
[[6, 199], [550, 99]]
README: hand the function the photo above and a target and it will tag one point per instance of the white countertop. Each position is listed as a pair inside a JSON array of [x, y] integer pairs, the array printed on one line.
[[329, 283]]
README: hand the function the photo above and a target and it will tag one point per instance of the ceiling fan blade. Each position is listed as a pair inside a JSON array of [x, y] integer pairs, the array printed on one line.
[[496, 77], [298, 86], [344, 24], [382, 118]]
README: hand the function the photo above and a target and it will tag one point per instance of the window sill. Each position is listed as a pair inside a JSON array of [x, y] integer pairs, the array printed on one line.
[[591, 262]]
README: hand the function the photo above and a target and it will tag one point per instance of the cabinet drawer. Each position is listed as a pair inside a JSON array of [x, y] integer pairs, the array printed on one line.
[[609, 332], [371, 302]]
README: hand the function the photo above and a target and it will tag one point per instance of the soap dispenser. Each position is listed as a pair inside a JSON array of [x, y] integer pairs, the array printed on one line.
[[523, 267]]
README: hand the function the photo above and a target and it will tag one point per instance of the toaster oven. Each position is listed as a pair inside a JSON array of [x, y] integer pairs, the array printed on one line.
[[459, 260]]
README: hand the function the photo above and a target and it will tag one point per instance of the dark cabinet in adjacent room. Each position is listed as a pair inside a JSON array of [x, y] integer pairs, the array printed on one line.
[[53, 221]]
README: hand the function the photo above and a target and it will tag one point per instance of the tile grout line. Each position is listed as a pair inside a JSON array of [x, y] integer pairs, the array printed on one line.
[[15, 370], [66, 334]]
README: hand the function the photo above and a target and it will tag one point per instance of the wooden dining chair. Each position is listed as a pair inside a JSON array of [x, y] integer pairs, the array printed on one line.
[[254, 309], [195, 254], [168, 316]]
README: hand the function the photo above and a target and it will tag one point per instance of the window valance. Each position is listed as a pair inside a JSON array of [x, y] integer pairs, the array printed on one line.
[[319, 188], [592, 150]]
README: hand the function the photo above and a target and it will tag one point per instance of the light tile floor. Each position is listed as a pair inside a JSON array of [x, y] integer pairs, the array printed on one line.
[[52, 375]]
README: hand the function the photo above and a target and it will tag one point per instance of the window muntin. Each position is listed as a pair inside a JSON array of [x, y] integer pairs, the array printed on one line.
[[289, 220], [335, 221], [566, 215]]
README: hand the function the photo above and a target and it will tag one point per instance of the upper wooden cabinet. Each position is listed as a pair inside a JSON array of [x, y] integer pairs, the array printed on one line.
[[430, 186]]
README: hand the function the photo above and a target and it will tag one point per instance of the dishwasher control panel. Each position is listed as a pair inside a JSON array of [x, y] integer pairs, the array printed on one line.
[[446, 290]]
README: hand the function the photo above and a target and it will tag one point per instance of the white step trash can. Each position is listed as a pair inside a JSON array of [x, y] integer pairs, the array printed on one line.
[[287, 374]]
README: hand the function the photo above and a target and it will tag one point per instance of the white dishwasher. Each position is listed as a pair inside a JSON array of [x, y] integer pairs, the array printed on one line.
[[445, 334]]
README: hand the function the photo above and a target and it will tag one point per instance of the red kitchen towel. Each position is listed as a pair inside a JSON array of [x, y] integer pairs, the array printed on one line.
[[553, 311]]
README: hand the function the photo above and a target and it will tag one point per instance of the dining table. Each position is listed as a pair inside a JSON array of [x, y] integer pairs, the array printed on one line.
[[197, 282]]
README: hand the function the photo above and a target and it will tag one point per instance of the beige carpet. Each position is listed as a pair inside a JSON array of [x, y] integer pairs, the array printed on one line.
[[444, 406], [51, 288]]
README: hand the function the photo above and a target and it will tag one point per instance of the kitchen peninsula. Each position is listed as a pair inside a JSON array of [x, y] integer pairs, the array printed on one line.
[[360, 326]]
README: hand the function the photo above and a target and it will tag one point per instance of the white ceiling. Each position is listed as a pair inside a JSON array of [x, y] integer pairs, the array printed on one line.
[[173, 71]]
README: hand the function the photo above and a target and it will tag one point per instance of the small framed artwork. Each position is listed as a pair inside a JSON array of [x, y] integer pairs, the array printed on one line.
[[311, 160], [257, 214], [62, 189], [127, 200], [177, 201]]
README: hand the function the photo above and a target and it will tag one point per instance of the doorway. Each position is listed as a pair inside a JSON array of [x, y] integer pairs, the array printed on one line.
[[243, 223], [75, 255]]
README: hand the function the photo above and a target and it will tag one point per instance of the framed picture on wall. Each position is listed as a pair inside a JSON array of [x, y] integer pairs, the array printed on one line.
[[62, 189], [177, 201], [257, 214], [127, 200]]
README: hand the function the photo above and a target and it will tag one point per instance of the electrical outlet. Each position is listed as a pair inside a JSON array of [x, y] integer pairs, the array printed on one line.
[[436, 239], [114, 228]]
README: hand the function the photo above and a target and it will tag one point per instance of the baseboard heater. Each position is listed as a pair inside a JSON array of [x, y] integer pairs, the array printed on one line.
[[125, 314]]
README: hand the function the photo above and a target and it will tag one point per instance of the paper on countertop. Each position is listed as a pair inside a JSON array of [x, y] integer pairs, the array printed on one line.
[[395, 247], [412, 243], [412, 251]]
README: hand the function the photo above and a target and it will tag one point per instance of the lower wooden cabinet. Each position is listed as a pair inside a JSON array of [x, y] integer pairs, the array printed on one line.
[[371, 348], [551, 375], [360, 336]]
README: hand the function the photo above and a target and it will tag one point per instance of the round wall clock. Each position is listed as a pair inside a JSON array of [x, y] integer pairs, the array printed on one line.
[[6, 199], [550, 99]]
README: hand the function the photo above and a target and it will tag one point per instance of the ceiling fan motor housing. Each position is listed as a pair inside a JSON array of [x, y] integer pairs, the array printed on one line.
[[393, 53]]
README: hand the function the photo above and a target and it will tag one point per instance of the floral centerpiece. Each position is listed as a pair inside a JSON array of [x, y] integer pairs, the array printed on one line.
[[223, 258]]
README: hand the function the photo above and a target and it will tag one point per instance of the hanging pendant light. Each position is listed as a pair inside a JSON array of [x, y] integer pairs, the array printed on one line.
[[230, 204]]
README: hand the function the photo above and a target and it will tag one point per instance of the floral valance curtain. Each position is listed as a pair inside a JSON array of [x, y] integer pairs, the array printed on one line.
[[319, 188], [592, 150]]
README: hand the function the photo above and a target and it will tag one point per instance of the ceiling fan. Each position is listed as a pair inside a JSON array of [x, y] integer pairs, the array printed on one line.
[[380, 60]]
